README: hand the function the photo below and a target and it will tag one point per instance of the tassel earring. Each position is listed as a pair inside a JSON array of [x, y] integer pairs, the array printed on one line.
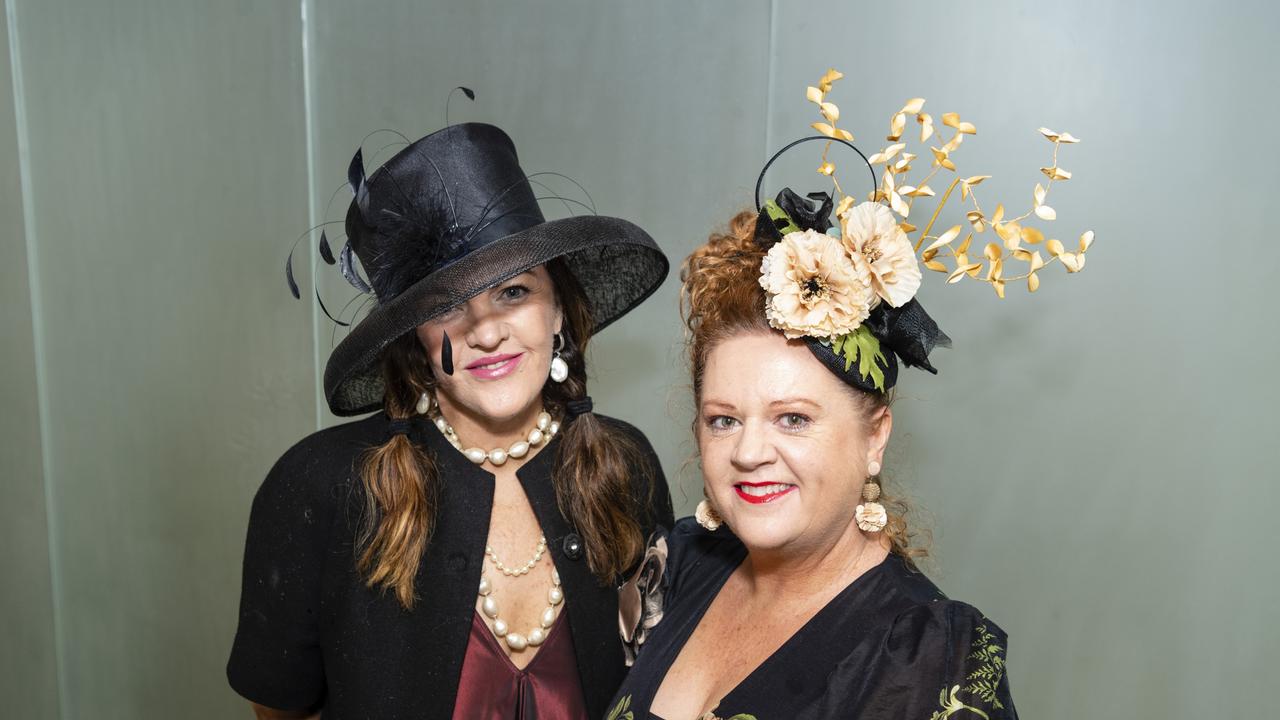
[[559, 368], [871, 515]]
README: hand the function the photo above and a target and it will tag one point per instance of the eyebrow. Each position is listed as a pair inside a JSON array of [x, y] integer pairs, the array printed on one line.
[[781, 402]]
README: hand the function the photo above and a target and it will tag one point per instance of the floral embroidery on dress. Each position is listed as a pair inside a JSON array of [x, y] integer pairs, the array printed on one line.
[[984, 681]]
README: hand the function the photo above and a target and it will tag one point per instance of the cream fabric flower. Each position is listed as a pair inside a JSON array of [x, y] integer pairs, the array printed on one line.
[[871, 517], [814, 287], [870, 230]]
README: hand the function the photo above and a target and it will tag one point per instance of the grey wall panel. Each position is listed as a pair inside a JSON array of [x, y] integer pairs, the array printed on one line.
[[660, 119], [28, 669], [1090, 454], [168, 176]]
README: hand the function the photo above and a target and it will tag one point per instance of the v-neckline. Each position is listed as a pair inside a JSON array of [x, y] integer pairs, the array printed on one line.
[[696, 620]]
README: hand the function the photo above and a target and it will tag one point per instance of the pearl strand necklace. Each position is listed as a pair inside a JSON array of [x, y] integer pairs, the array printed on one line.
[[545, 430], [489, 605]]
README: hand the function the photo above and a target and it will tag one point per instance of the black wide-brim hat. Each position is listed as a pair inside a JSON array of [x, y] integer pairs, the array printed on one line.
[[451, 216]]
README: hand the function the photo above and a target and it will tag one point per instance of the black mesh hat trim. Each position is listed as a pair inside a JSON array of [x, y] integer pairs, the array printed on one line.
[[617, 263]]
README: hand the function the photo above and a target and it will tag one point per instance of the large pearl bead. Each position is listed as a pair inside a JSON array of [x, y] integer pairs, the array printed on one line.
[[442, 425], [485, 587], [537, 636], [548, 617], [554, 428], [555, 595], [544, 421], [516, 641], [475, 455], [499, 627], [497, 456], [555, 576], [519, 450], [535, 437], [490, 607]]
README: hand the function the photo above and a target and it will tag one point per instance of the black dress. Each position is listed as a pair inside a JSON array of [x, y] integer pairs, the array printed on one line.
[[311, 633], [889, 646]]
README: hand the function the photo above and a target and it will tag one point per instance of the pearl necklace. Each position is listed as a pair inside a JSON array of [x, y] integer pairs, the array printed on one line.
[[489, 605], [542, 433]]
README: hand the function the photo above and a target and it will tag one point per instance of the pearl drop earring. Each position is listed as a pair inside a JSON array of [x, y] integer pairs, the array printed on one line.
[[424, 403], [559, 368]]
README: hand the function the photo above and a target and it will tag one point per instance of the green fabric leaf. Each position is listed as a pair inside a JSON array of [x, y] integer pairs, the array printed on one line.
[[776, 213], [864, 348]]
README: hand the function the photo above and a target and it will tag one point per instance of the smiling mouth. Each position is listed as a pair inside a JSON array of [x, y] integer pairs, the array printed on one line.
[[758, 493], [495, 366]]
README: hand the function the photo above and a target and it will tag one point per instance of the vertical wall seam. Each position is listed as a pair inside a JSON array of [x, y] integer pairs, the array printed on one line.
[[311, 206], [768, 90], [37, 337]]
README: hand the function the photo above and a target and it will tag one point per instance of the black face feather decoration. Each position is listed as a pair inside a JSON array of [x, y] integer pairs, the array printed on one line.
[[446, 355], [355, 172], [288, 275]]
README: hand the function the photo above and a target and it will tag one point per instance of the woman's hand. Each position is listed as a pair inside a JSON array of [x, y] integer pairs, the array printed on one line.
[[265, 713]]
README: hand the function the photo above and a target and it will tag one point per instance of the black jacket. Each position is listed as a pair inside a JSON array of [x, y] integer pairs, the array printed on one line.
[[312, 633]]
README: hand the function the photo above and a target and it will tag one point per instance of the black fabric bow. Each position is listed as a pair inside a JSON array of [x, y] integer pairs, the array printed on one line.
[[908, 331], [802, 212]]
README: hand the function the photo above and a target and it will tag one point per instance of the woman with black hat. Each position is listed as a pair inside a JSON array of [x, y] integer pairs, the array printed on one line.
[[454, 554]]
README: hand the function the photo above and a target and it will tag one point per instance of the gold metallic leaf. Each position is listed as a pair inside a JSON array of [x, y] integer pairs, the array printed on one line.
[[926, 126], [829, 77], [1037, 262], [1086, 240], [898, 204], [951, 119], [992, 251], [1008, 230], [1070, 261], [1080, 261], [914, 105], [948, 165], [1039, 194], [995, 219], [903, 165], [962, 258], [1044, 212], [1032, 236], [964, 191], [824, 128], [945, 237], [906, 189], [976, 220], [974, 269], [1056, 173], [826, 168], [935, 265], [813, 95], [962, 271], [845, 203], [888, 180], [975, 179], [922, 191], [830, 112], [1014, 241], [964, 247], [929, 253], [967, 128], [999, 287], [1067, 138], [1054, 247], [1023, 255], [1053, 136], [844, 134], [896, 126], [907, 227], [1033, 282], [953, 143]]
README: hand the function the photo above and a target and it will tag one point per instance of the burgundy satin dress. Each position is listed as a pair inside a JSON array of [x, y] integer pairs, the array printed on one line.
[[493, 688]]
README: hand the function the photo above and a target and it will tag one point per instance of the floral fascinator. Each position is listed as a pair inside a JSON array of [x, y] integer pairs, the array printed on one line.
[[847, 286]]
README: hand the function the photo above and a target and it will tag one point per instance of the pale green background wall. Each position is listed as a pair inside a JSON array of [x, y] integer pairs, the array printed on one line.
[[1096, 458]]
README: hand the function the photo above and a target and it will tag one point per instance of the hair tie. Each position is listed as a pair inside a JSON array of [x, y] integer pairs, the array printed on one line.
[[400, 426], [574, 408]]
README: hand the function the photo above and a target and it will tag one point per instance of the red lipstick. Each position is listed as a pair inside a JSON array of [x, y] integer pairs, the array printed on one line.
[[760, 493]]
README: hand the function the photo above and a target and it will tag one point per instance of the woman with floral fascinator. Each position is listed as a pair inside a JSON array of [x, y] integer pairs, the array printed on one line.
[[455, 554], [793, 592]]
